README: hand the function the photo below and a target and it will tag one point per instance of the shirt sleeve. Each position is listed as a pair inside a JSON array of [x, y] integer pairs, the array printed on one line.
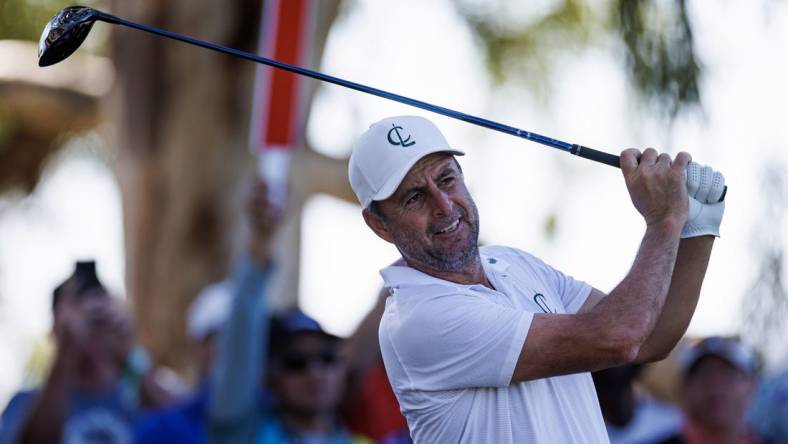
[[151, 428], [458, 341], [572, 292], [242, 345], [12, 417]]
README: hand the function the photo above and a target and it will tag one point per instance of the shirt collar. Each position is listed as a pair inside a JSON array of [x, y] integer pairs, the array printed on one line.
[[492, 262], [403, 275]]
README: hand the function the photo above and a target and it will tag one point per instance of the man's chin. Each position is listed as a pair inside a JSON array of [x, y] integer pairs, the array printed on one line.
[[459, 260]]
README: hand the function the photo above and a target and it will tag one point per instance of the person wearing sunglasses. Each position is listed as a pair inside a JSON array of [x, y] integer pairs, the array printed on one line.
[[307, 382], [302, 386], [277, 378]]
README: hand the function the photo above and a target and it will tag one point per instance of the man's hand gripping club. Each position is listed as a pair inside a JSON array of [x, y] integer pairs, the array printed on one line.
[[705, 189], [657, 186]]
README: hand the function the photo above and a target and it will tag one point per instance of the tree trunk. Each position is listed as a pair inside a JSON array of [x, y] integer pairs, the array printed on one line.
[[41, 107], [180, 116]]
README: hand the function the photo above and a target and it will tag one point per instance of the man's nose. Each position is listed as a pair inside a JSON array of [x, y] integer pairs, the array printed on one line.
[[442, 204]]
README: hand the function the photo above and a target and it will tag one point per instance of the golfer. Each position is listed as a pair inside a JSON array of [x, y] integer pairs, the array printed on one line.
[[492, 345]]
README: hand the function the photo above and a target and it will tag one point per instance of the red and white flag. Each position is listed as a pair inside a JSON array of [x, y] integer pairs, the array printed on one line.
[[279, 108]]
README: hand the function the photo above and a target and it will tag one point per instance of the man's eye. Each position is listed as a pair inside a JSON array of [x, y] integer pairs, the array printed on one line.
[[414, 198], [446, 181]]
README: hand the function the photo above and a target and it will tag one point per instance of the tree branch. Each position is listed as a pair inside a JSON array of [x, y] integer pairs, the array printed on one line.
[[39, 107]]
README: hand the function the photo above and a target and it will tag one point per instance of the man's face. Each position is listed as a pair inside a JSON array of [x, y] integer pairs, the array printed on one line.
[[716, 394], [308, 377], [96, 324], [69, 317], [431, 218]]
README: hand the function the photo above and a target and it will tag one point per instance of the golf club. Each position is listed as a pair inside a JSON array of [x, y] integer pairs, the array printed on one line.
[[69, 28]]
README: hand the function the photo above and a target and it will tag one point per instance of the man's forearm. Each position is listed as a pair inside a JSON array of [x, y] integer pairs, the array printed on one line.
[[691, 263], [44, 421], [632, 309], [240, 357]]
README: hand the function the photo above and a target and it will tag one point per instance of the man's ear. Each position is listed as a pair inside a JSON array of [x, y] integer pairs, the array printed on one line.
[[376, 224]]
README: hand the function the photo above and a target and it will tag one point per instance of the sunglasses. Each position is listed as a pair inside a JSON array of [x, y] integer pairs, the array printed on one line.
[[300, 362]]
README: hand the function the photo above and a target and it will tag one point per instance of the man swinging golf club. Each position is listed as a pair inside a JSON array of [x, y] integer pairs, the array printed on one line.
[[492, 345]]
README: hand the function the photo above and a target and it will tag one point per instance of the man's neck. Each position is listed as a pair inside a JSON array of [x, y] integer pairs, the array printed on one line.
[[97, 375], [471, 274]]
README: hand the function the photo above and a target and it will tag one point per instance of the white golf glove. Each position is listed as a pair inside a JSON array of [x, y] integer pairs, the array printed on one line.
[[705, 187]]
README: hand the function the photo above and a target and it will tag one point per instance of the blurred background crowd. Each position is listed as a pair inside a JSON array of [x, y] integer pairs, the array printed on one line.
[[276, 376], [182, 259]]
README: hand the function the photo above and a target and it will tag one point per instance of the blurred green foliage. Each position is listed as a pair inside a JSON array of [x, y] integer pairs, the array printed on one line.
[[660, 54], [765, 306], [656, 37], [522, 51], [25, 19]]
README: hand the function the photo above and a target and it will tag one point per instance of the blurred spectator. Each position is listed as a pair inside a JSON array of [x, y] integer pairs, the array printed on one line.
[[768, 415], [371, 408], [718, 379], [284, 390], [207, 314], [186, 421], [99, 379], [633, 417], [305, 382]]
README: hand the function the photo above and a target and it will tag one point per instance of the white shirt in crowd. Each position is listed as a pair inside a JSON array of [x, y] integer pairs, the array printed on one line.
[[652, 422], [450, 351]]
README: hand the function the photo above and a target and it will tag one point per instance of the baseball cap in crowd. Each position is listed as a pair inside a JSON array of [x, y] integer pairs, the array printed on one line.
[[209, 310], [384, 153], [285, 325], [731, 350], [82, 281]]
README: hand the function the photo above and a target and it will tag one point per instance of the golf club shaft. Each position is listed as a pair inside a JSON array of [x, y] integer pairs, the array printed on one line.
[[579, 150]]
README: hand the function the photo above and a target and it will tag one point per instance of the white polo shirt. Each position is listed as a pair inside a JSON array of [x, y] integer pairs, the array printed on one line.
[[450, 352]]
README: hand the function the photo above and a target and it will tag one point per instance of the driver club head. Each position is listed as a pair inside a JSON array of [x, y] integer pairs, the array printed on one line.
[[64, 33]]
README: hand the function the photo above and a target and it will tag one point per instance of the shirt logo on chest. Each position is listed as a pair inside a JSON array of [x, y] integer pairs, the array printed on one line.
[[541, 301]]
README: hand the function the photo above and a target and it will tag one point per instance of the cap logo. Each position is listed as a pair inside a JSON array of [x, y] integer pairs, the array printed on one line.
[[395, 131]]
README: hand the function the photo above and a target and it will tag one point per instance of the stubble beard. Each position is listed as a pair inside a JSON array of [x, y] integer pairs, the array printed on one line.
[[444, 260]]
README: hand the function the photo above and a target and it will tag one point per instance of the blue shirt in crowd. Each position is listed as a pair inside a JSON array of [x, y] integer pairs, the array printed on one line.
[[94, 417]]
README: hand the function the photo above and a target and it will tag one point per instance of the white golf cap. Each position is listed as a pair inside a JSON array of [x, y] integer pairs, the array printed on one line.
[[384, 154], [209, 311]]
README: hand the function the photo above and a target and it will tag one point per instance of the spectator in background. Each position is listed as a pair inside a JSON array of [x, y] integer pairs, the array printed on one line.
[[633, 417], [718, 379], [307, 381], [284, 390], [99, 380], [186, 422], [371, 408], [207, 314], [768, 415]]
